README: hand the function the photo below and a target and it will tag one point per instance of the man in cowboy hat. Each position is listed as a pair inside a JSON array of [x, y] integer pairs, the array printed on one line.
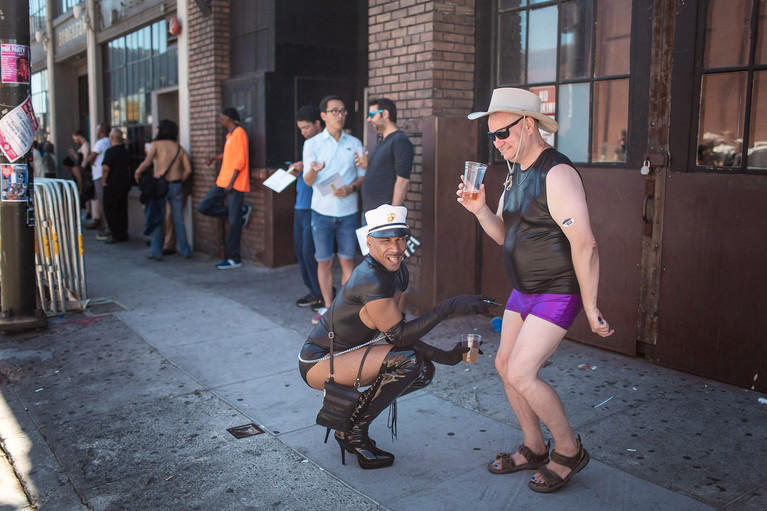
[[542, 222], [371, 302]]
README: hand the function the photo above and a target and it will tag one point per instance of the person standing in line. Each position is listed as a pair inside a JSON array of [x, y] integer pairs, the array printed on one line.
[[310, 124], [543, 224], [388, 170], [49, 161], [81, 170], [117, 178], [232, 183], [329, 169], [95, 159], [168, 158]]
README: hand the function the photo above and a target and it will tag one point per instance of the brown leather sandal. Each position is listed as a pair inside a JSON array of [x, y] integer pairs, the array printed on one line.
[[534, 461], [551, 481]]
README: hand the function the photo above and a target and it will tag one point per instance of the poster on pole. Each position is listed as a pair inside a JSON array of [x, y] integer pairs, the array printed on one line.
[[17, 130], [14, 59], [14, 183]]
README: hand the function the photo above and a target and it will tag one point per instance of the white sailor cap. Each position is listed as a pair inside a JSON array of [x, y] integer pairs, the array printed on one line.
[[387, 221]]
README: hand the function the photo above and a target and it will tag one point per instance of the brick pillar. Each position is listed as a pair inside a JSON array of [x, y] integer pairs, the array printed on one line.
[[208, 68], [421, 56]]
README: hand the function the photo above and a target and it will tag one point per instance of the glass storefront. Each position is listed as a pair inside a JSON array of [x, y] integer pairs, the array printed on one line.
[[135, 65]]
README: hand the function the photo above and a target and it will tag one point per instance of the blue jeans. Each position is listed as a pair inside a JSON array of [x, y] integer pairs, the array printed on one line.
[[304, 242], [176, 201], [330, 232], [213, 205], [155, 212]]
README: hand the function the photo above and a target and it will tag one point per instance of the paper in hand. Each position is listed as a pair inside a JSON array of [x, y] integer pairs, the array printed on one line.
[[279, 180], [331, 184]]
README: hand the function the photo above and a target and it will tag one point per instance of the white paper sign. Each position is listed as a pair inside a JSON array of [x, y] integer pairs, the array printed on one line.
[[17, 130], [331, 184], [362, 239], [279, 180]]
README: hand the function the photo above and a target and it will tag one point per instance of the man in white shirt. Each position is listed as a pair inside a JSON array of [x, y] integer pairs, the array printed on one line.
[[95, 159], [329, 169]]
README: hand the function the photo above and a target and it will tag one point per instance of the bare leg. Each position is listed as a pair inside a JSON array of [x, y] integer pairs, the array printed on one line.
[[528, 420], [325, 278], [347, 267], [536, 342], [347, 365]]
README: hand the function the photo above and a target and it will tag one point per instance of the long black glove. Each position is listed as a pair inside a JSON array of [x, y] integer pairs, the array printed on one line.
[[462, 305], [445, 357]]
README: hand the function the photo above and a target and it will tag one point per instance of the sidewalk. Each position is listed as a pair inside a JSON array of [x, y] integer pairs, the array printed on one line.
[[127, 406]]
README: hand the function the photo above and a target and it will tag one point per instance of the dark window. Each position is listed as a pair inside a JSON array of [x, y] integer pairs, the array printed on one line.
[[575, 55], [37, 16], [134, 66], [732, 116]]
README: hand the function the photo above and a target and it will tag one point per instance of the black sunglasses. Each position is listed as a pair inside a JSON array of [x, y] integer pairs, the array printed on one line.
[[502, 133]]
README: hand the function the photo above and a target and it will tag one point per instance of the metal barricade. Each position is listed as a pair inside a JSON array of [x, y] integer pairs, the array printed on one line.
[[60, 265]]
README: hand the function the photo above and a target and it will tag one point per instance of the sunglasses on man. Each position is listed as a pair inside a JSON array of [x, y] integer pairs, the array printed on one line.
[[503, 133], [372, 114]]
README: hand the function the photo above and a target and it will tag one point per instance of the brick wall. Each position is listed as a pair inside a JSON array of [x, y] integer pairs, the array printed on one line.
[[421, 56], [208, 67]]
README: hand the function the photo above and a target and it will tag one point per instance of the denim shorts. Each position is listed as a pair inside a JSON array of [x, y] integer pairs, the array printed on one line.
[[330, 232], [558, 309]]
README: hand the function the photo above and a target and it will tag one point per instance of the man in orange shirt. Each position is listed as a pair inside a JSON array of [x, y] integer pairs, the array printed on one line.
[[232, 182]]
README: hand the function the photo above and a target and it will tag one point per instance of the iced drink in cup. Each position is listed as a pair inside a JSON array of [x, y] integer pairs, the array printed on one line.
[[472, 341], [361, 158], [472, 178]]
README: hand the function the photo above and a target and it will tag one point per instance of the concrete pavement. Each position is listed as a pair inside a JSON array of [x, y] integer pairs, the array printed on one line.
[[127, 406]]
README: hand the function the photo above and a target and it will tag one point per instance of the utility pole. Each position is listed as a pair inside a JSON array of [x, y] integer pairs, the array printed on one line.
[[18, 298]]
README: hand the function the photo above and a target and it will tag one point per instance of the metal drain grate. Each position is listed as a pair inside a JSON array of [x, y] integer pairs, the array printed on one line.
[[245, 431]]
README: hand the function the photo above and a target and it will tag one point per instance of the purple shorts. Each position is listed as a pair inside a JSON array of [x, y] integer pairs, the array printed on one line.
[[558, 309]]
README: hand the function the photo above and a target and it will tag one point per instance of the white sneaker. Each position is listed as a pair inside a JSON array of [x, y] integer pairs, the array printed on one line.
[[319, 315]]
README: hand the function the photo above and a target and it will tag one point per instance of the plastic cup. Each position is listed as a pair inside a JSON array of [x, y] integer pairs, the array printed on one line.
[[473, 174], [361, 155], [471, 341]]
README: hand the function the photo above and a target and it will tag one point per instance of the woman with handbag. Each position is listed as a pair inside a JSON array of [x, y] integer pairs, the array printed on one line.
[[369, 308], [166, 182]]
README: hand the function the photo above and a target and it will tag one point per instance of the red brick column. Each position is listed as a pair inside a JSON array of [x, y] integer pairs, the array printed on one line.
[[421, 56], [208, 68]]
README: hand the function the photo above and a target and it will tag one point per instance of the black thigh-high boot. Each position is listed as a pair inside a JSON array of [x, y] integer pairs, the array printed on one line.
[[423, 379], [399, 369]]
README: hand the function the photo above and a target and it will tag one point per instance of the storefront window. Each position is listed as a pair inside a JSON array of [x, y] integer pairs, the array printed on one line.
[[577, 53], [65, 5], [39, 86], [134, 66], [37, 16], [732, 119]]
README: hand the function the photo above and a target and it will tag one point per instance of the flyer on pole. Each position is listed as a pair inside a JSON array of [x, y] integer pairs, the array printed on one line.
[[17, 130]]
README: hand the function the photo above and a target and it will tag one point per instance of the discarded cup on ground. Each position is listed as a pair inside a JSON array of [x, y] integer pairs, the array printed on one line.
[[471, 341], [472, 179]]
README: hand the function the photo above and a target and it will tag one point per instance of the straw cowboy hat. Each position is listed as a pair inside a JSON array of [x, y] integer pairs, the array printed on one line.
[[520, 102]]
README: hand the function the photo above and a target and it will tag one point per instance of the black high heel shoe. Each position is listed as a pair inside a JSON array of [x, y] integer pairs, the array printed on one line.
[[369, 456], [399, 369]]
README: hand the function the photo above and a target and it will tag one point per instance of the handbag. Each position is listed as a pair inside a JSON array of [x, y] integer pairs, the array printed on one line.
[[339, 401], [155, 187]]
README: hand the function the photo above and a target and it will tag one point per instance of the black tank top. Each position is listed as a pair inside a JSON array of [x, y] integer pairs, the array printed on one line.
[[369, 281], [536, 251]]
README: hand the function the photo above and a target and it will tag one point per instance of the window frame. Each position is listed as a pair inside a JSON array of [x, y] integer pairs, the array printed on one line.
[[637, 87], [690, 33]]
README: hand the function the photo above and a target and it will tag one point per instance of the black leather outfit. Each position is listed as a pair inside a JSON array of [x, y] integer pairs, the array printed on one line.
[[369, 281], [536, 251]]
